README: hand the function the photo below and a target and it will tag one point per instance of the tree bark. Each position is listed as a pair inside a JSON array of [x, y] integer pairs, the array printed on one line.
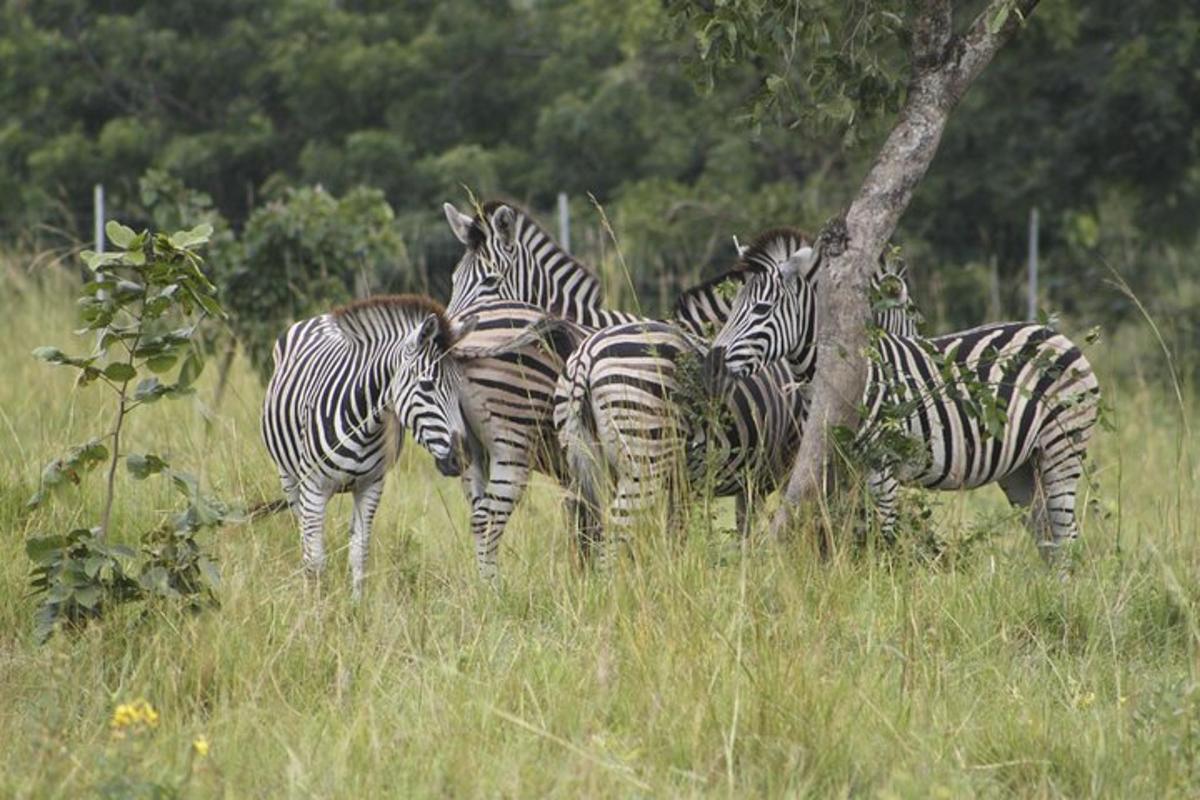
[[943, 66]]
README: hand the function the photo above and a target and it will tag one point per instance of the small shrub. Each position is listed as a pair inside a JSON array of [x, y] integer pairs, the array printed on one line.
[[143, 306]]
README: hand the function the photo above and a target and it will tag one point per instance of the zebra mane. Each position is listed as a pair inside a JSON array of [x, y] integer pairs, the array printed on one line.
[[772, 247], [524, 220], [360, 319], [737, 276]]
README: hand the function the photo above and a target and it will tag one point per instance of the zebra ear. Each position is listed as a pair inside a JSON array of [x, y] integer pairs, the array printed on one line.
[[739, 247], [462, 327], [460, 223], [799, 264], [504, 223], [428, 331]]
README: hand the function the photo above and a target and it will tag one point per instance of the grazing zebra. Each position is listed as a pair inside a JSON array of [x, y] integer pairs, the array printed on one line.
[[1018, 408], [341, 381], [622, 421]]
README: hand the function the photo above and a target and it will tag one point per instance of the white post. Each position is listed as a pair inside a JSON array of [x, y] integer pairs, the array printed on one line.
[[1033, 263], [564, 222], [98, 215]]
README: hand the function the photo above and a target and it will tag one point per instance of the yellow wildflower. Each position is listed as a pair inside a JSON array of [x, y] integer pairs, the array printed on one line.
[[136, 715], [200, 745]]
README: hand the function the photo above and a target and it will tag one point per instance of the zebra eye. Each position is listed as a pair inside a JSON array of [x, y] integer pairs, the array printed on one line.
[[425, 385], [761, 308]]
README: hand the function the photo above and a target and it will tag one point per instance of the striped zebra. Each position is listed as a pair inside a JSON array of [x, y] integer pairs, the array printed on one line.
[[342, 380], [510, 256], [628, 434], [507, 367], [1011, 403]]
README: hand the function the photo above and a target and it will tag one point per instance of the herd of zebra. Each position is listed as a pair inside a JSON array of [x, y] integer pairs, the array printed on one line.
[[526, 370]]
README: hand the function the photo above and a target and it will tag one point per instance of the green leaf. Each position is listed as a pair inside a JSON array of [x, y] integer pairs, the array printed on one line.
[[88, 596], [119, 235], [161, 363], [149, 390], [51, 354], [197, 235], [120, 371], [210, 572], [143, 466], [193, 365], [96, 261], [44, 549]]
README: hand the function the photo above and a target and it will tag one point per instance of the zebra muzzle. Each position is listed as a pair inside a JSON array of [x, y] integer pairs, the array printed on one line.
[[451, 465]]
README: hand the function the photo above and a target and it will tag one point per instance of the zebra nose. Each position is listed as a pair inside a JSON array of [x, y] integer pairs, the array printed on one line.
[[714, 370]]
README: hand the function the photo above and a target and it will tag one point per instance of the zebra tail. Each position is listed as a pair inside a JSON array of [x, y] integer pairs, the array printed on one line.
[[578, 437]]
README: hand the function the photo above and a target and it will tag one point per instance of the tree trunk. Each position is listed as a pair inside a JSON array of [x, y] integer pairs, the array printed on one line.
[[943, 66]]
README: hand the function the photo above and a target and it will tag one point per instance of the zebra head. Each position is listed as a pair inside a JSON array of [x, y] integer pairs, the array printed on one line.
[[483, 272], [772, 317], [891, 305], [425, 388]]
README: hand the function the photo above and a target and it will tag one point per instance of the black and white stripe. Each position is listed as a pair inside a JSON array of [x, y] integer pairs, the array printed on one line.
[[510, 257], [509, 364], [1034, 384], [624, 427], [340, 381]]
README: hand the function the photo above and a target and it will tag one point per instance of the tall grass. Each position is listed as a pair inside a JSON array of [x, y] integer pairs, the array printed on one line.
[[697, 668]]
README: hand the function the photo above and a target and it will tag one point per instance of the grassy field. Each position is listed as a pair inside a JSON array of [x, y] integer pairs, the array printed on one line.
[[694, 670]]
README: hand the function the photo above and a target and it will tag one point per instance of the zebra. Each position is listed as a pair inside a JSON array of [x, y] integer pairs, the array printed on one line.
[[621, 421], [341, 381], [507, 367], [1039, 395], [510, 256]]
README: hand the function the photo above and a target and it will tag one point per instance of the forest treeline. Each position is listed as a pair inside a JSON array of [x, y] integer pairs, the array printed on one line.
[[1092, 115]]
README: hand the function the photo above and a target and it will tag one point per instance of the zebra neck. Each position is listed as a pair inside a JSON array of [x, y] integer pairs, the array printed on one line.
[[364, 393], [558, 283]]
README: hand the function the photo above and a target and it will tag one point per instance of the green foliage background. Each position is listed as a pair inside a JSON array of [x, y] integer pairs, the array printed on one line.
[[1092, 115]]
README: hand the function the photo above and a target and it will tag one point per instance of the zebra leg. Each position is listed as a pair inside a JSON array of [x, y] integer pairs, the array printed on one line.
[[366, 500], [584, 518], [746, 502], [311, 511], [491, 511], [1022, 490], [741, 512], [883, 488], [1058, 484], [291, 493]]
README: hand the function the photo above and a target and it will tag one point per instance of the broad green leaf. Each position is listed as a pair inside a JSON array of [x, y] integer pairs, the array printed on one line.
[[96, 261], [119, 235], [120, 371], [161, 363], [193, 365], [197, 235], [88, 596], [93, 564], [44, 549], [143, 466]]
